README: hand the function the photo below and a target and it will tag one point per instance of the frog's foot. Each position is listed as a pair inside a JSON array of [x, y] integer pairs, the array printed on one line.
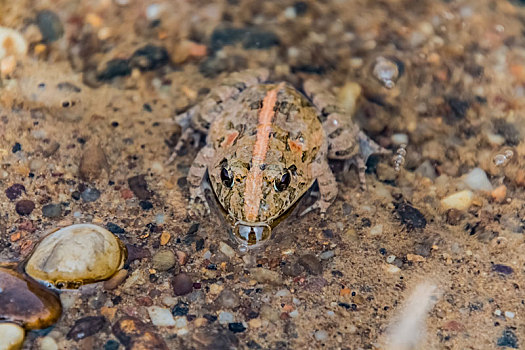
[[184, 139], [319, 204], [198, 205]]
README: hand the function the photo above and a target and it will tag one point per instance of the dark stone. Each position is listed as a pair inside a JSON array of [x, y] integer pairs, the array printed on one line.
[[311, 264], [90, 195], [502, 269], [14, 191], [212, 338], [193, 228], [135, 334], [16, 147], [410, 216], [52, 210], [139, 187], [454, 216], [182, 284], [24, 207], [86, 327], [115, 68], [182, 182], [75, 195], [508, 131], [236, 327], [149, 57], [211, 318], [508, 339], [114, 228], [146, 205], [199, 244], [111, 345], [50, 25], [260, 39], [300, 7], [181, 309], [457, 108], [137, 253], [251, 38], [292, 268]]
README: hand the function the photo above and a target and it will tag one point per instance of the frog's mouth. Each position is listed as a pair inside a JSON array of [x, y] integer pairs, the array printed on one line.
[[251, 234]]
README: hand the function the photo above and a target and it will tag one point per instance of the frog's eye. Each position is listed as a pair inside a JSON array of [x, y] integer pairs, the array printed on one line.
[[226, 177], [281, 184]]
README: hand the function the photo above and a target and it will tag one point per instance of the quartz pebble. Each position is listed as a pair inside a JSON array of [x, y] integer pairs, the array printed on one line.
[[327, 255], [26, 302], [459, 200], [160, 317], [11, 335], [225, 317], [76, 255], [226, 250], [477, 180], [320, 335]]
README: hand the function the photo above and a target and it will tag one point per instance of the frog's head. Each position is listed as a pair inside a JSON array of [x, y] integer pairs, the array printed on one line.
[[254, 200]]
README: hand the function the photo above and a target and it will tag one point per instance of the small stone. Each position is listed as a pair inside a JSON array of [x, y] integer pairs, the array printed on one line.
[[226, 250], [182, 284], [111, 345], [426, 169], [114, 228], [164, 260], [392, 268], [52, 210], [50, 25], [136, 335], [12, 336], [399, 139], [139, 187], [349, 95], [181, 322], [508, 131], [164, 238], [24, 207], [26, 302], [499, 193], [114, 68], [75, 255], [255, 323], [502, 269], [116, 280], [14, 191], [228, 299], [90, 195], [390, 259], [137, 253], [182, 257], [47, 343], [266, 276], [460, 200], [12, 43], [149, 57], [410, 216], [509, 314], [477, 180], [146, 205], [236, 327], [454, 216], [181, 309], [160, 317], [86, 327], [92, 162], [320, 335], [225, 317], [508, 339], [387, 70], [376, 230], [327, 255], [311, 264]]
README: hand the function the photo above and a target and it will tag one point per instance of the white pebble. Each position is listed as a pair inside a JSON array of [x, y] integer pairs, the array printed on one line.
[[282, 293], [181, 322], [294, 314], [400, 139], [327, 255], [11, 43], [48, 343], [12, 336], [330, 313], [320, 335], [477, 180], [207, 255], [497, 312], [153, 12], [159, 219], [225, 317], [459, 200], [226, 250], [390, 259], [376, 230], [509, 314], [289, 13], [160, 317]]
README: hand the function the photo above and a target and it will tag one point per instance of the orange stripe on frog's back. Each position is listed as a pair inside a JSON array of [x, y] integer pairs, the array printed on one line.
[[254, 180]]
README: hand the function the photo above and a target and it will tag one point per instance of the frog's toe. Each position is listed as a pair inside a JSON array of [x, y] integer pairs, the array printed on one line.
[[198, 208], [320, 204]]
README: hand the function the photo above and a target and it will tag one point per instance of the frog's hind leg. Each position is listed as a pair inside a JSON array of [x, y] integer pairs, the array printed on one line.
[[199, 117]]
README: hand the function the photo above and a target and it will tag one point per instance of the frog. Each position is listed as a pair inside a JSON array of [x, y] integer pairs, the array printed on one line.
[[266, 145]]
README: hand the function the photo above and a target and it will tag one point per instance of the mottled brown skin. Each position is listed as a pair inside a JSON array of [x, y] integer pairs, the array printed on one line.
[[301, 139]]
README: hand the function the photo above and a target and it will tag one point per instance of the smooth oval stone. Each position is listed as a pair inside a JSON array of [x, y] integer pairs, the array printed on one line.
[[26, 302], [12, 336], [76, 255]]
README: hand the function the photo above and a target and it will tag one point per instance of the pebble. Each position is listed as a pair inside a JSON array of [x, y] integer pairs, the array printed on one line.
[[24, 207], [502, 269], [509, 314], [182, 284], [399, 139], [14, 191], [149, 57], [48, 343], [225, 317], [376, 230], [508, 338], [387, 71], [180, 309], [255, 323], [266, 276], [52, 210], [477, 180], [26, 302], [12, 336], [92, 162], [460, 200], [499, 193], [226, 250], [426, 169], [139, 187], [161, 317], [320, 335], [116, 280], [181, 322], [50, 25], [111, 345], [86, 326], [164, 260], [349, 95], [251, 38], [75, 255], [228, 299], [12, 43], [327, 255], [114, 228], [90, 194], [410, 216], [118, 67], [311, 264], [236, 327], [282, 293], [136, 335], [390, 259]]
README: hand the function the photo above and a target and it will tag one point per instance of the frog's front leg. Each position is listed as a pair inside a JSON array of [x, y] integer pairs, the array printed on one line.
[[199, 117], [326, 182], [195, 177]]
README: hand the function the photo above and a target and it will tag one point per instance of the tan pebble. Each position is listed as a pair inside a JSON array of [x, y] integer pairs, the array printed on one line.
[[200, 321], [460, 200], [182, 257], [12, 336], [104, 33], [499, 193], [12, 43], [216, 288], [116, 280], [94, 20], [255, 323], [391, 268], [8, 65], [164, 238], [164, 260], [189, 92], [40, 49], [92, 162], [415, 257], [349, 95], [108, 312]]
